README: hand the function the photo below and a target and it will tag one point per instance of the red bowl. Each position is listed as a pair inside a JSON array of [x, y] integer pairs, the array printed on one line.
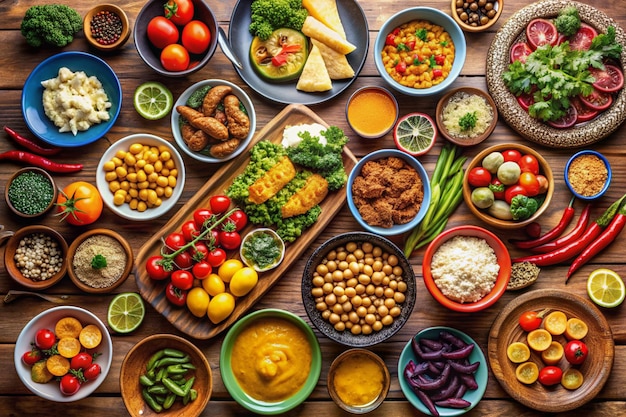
[[504, 274]]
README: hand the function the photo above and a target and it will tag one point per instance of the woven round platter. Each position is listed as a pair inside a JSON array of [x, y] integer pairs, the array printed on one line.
[[513, 30]]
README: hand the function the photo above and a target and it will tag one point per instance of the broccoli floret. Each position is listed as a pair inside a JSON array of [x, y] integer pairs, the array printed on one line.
[[523, 207], [269, 15], [50, 24], [568, 21], [290, 229]]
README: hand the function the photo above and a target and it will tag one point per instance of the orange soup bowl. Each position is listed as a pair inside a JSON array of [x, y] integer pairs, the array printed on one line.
[[372, 112]]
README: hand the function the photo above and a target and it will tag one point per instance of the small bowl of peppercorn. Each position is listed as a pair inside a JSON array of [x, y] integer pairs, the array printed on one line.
[[106, 27], [476, 15], [36, 257], [30, 192]]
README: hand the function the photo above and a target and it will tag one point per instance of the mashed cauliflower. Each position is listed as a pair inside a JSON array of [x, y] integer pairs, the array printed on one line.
[[465, 268], [74, 102], [291, 134]]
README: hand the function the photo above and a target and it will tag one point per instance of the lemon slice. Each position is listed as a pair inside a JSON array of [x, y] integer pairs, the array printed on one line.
[[126, 312], [605, 288], [153, 100], [415, 133]]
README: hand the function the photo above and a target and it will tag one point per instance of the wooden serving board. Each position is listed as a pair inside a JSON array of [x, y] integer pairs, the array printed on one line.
[[153, 291]]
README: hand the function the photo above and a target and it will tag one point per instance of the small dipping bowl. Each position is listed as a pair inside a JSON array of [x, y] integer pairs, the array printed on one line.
[[372, 112], [358, 381], [28, 178], [124, 27], [595, 169], [247, 249]]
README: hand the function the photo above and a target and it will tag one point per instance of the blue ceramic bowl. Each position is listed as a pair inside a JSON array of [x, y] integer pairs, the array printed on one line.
[[438, 18], [606, 184], [481, 374], [32, 105], [398, 228]]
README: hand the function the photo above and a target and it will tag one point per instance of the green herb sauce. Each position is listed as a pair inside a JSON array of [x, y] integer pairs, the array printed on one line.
[[262, 249]]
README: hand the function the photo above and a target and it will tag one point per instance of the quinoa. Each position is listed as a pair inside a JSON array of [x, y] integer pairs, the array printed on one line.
[[465, 268], [462, 103]]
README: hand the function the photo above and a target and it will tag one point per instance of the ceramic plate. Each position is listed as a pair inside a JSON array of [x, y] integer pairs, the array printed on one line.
[[355, 25], [595, 369], [498, 62]]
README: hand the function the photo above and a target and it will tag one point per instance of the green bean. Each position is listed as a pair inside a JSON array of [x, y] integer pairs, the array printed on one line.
[[177, 369], [174, 353], [146, 381], [151, 401], [154, 358], [173, 387], [158, 390], [168, 360], [169, 400]]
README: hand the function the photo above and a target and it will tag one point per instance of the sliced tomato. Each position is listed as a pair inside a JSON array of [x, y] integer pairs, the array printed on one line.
[[566, 121], [581, 40], [541, 32], [520, 51], [597, 100], [584, 113], [609, 79], [525, 100]]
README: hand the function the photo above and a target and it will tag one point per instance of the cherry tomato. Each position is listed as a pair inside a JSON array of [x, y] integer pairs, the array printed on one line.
[[80, 202], [45, 339], [529, 181], [497, 188], [183, 280], [581, 40], [533, 230], [201, 216], [180, 12], [92, 372], [401, 67], [219, 204], [216, 257], [512, 191], [196, 37], [162, 32], [230, 240], [81, 361], [31, 357], [568, 120], [576, 352], [530, 320], [519, 52], [212, 240], [199, 251], [550, 375], [609, 79], [69, 384], [239, 218], [174, 57], [583, 113], [597, 100], [543, 184], [183, 260], [511, 155], [174, 295], [202, 270], [528, 163], [541, 32], [175, 241], [155, 269], [479, 177], [189, 230], [572, 379]]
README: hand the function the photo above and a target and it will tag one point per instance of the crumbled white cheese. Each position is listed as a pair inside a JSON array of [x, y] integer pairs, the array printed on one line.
[[291, 134]]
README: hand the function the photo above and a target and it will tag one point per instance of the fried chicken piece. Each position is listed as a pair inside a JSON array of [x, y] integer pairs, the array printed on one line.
[[187, 131], [272, 182], [405, 179], [213, 98], [314, 191], [220, 116], [405, 215], [198, 141], [238, 121], [371, 168], [410, 198], [395, 163], [189, 113], [222, 149], [211, 126], [364, 189]]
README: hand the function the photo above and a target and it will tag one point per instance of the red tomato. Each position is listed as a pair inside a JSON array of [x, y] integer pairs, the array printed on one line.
[[183, 280], [512, 191], [155, 269], [543, 184], [568, 120], [230, 240], [201, 216], [525, 100], [202, 270], [176, 296], [541, 32], [239, 218], [550, 375], [581, 40], [183, 260], [401, 67], [175, 241], [216, 257], [180, 12], [219, 204], [189, 230], [479, 177], [530, 320], [609, 79], [212, 240], [174, 57], [31, 357], [45, 339], [92, 372], [196, 37], [162, 32], [583, 112], [80, 202], [199, 251], [529, 181], [519, 52], [576, 352], [597, 100], [497, 188], [81, 361], [511, 155], [69, 384], [533, 230], [528, 163]]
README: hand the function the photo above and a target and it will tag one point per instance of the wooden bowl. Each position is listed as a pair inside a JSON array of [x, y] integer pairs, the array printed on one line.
[[497, 6], [12, 268], [41, 172], [93, 42], [106, 283], [134, 366], [544, 168], [467, 140]]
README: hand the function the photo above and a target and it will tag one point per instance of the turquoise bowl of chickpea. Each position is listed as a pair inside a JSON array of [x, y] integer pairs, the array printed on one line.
[[420, 51], [358, 289], [140, 177]]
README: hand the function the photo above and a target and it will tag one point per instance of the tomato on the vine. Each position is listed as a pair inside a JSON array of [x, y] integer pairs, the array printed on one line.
[[45, 339], [174, 57], [199, 251], [175, 241], [219, 203], [92, 371], [576, 352], [81, 361], [183, 280], [216, 257], [175, 295], [528, 163], [79, 203], [189, 230], [550, 375], [184, 260], [31, 357], [180, 12], [162, 32], [155, 268], [202, 270], [239, 218], [479, 177], [201, 216], [69, 384], [230, 240], [196, 37]]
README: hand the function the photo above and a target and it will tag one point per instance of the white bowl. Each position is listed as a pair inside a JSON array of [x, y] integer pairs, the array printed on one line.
[[47, 319], [243, 98], [124, 210]]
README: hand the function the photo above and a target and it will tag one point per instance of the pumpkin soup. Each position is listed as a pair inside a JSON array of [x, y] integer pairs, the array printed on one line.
[[358, 380], [372, 112]]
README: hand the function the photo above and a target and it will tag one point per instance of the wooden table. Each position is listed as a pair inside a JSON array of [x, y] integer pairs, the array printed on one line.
[[16, 62]]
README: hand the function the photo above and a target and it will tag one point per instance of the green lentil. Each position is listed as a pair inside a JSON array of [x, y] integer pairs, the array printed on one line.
[[30, 193]]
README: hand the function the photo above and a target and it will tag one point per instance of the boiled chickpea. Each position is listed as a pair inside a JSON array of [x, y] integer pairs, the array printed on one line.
[[340, 326]]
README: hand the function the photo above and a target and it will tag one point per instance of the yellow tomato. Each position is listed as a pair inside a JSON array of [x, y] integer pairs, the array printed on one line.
[[553, 354], [527, 372], [198, 301], [518, 352], [228, 269], [213, 284], [220, 307], [243, 281], [555, 323]]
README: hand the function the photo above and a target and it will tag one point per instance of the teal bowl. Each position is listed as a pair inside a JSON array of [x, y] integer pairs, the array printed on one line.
[[230, 380]]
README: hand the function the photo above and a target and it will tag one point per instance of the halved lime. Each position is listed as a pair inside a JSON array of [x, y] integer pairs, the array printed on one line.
[[415, 133], [153, 100], [606, 288], [126, 312]]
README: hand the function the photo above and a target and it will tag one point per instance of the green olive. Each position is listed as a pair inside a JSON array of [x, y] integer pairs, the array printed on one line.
[[482, 197], [281, 57]]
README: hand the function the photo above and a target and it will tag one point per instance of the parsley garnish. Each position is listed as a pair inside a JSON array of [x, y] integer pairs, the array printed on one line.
[[98, 262], [431, 61], [468, 121], [422, 34], [443, 43], [402, 47]]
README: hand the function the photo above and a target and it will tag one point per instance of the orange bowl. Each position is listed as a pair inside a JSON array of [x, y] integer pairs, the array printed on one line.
[[502, 280]]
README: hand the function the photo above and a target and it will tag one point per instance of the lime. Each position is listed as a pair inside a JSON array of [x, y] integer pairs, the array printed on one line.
[[605, 288], [126, 312], [415, 133], [153, 100]]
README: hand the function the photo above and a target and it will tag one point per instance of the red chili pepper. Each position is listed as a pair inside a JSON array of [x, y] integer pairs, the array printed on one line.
[[567, 252], [40, 161], [440, 59], [437, 73], [29, 144], [566, 218], [574, 234]]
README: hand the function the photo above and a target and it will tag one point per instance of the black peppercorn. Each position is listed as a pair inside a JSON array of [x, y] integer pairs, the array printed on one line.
[[106, 27]]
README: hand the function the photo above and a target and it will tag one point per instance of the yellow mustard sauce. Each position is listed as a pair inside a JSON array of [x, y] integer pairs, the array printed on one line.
[[371, 113], [271, 359], [358, 380]]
